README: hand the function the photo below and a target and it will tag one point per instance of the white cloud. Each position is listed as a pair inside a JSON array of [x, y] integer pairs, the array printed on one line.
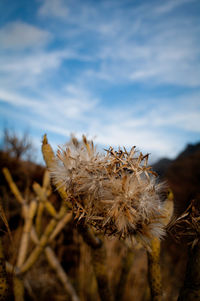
[[17, 99], [184, 114], [34, 63], [32, 69], [72, 104], [19, 35], [168, 6], [74, 109], [98, 46], [53, 8]]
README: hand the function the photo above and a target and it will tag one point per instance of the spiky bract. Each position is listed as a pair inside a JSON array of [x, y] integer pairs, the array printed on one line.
[[186, 228], [115, 192]]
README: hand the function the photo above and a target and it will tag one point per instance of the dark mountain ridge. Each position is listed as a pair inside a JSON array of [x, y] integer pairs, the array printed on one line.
[[182, 175]]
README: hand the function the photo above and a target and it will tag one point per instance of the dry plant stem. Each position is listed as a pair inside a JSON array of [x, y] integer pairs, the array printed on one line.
[[46, 180], [26, 233], [51, 210], [60, 225], [54, 263], [13, 186], [49, 158], [88, 236], [34, 236], [126, 267], [18, 287], [44, 240], [4, 286], [38, 220], [98, 253], [41, 193], [154, 272], [191, 287], [11, 269], [100, 270], [40, 247], [15, 190]]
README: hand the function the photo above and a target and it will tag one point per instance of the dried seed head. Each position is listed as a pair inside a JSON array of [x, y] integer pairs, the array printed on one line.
[[115, 192]]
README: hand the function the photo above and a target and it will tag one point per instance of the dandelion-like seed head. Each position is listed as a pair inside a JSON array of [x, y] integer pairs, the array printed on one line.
[[115, 192]]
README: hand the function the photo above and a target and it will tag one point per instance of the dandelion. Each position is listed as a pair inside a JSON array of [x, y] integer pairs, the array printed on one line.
[[116, 192]]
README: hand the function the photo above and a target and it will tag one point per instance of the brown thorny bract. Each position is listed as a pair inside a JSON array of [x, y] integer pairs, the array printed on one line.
[[116, 192], [186, 228]]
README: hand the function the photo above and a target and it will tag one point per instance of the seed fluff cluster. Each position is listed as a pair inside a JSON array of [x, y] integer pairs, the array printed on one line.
[[115, 192]]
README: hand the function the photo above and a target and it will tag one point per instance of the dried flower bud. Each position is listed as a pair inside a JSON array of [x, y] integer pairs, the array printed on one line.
[[116, 192]]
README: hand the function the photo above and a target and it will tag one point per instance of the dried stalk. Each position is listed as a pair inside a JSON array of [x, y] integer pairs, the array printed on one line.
[[88, 236], [11, 269], [60, 225], [46, 180], [54, 263], [98, 252], [154, 271], [13, 186], [49, 158], [100, 270], [41, 193], [26, 233], [40, 247], [51, 210], [126, 267], [38, 220], [18, 287], [4, 286], [15, 191]]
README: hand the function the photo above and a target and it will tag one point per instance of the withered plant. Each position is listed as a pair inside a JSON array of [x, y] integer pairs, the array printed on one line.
[[114, 194], [186, 228], [117, 192]]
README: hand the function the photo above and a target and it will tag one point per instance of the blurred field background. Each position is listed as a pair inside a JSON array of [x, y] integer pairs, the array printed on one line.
[[73, 254]]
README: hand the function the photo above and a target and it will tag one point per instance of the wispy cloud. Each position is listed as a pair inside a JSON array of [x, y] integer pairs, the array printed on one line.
[[139, 44], [19, 35], [53, 8], [60, 71], [80, 112], [168, 6]]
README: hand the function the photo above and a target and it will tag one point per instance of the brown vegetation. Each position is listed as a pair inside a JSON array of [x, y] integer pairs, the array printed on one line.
[[57, 259]]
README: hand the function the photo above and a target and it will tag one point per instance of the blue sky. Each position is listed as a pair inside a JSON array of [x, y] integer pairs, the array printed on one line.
[[123, 72]]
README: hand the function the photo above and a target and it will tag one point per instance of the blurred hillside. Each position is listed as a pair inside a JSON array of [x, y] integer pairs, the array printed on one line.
[[183, 175]]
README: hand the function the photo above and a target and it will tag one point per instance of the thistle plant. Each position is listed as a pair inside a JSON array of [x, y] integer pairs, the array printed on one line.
[[117, 192]]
